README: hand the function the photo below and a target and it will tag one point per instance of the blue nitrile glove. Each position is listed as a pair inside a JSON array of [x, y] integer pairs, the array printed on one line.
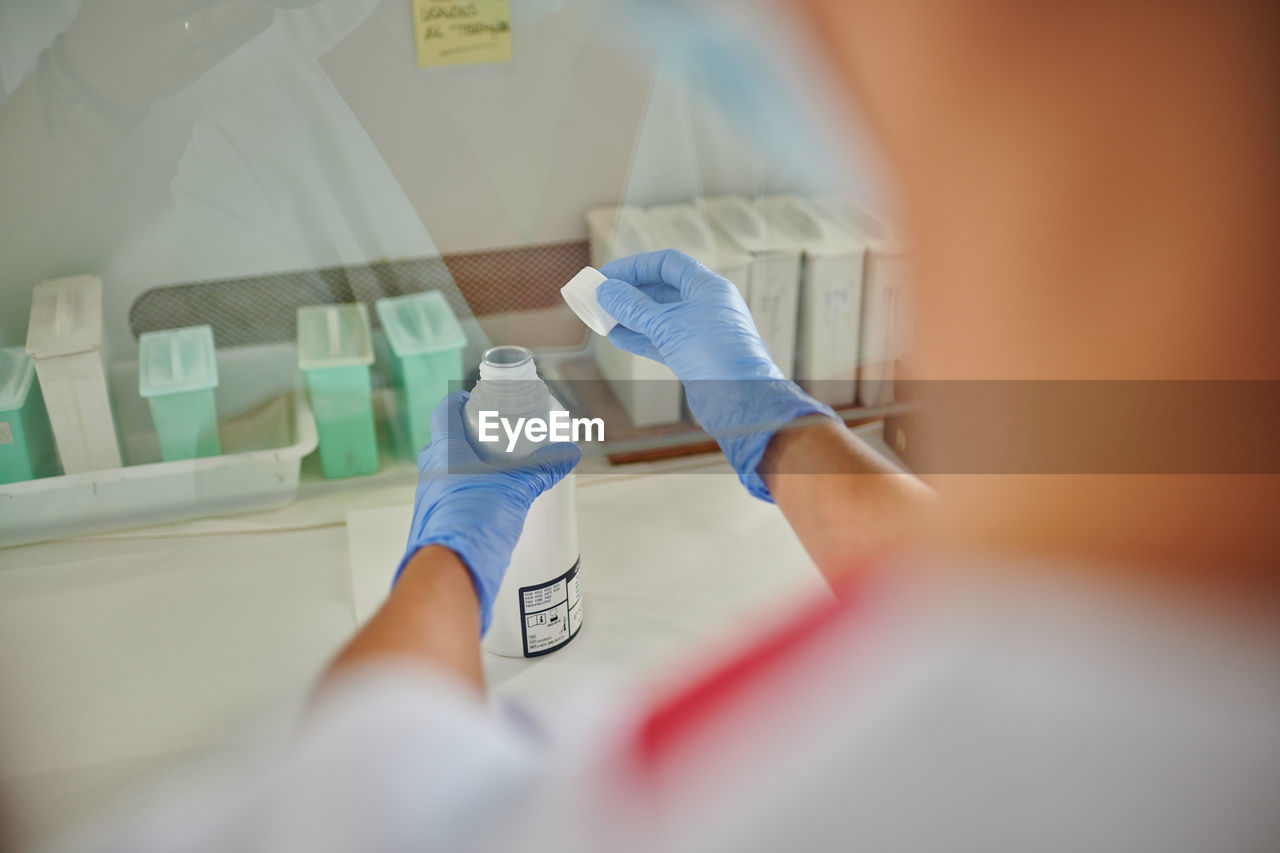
[[674, 310], [475, 508]]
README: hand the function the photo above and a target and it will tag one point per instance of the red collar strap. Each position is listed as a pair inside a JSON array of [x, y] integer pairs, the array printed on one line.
[[677, 720]]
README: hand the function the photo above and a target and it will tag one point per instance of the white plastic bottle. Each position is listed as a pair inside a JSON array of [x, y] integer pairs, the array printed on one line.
[[539, 605]]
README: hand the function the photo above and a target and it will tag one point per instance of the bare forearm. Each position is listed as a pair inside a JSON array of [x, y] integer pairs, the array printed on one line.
[[431, 619], [845, 502]]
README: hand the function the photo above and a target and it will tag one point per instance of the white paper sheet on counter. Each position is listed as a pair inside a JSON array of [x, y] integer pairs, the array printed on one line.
[[670, 562]]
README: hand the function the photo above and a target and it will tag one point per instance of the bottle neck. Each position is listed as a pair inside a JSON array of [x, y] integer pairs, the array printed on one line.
[[508, 362], [509, 383]]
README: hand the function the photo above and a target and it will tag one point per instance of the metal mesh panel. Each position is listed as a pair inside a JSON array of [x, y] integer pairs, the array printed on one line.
[[262, 309], [517, 279]]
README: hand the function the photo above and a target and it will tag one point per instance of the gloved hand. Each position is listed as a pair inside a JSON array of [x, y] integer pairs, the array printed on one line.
[[474, 508], [674, 310]]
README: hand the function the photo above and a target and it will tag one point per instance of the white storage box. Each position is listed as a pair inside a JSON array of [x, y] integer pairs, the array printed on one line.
[[773, 277], [64, 340], [615, 232], [177, 374], [830, 297], [884, 303], [685, 228], [648, 391]]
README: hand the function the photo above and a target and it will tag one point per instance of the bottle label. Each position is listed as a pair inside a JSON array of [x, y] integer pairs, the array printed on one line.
[[551, 613]]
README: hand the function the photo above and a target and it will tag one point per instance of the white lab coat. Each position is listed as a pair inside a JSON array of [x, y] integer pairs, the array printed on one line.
[[1036, 719]]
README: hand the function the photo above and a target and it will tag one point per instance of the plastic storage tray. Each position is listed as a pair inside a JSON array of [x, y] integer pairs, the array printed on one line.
[[276, 436]]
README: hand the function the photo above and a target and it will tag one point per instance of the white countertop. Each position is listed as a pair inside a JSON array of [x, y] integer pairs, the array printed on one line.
[[127, 657]]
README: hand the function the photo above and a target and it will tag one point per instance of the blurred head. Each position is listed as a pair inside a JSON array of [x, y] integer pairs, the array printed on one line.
[[1090, 191]]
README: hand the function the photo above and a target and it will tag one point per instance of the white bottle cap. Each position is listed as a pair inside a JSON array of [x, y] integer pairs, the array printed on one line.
[[580, 293]]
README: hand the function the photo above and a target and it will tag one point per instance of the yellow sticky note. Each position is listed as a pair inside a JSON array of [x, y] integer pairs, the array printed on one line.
[[456, 32]]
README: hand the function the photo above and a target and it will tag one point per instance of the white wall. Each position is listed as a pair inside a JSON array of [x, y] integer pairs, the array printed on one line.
[[322, 143]]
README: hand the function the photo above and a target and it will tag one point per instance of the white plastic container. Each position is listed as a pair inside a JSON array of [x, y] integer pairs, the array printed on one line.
[[425, 343], [686, 228], [26, 442], [260, 470], [64, 340], [648, 392], [829, 321], [335, 351], [884, 299], [615, 232], [539, 605], [177, 372], [773, 291]]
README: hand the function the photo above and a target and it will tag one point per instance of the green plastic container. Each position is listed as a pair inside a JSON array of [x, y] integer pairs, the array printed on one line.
[[26, 440], [177, 372], [426, 344], [335, 349]]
